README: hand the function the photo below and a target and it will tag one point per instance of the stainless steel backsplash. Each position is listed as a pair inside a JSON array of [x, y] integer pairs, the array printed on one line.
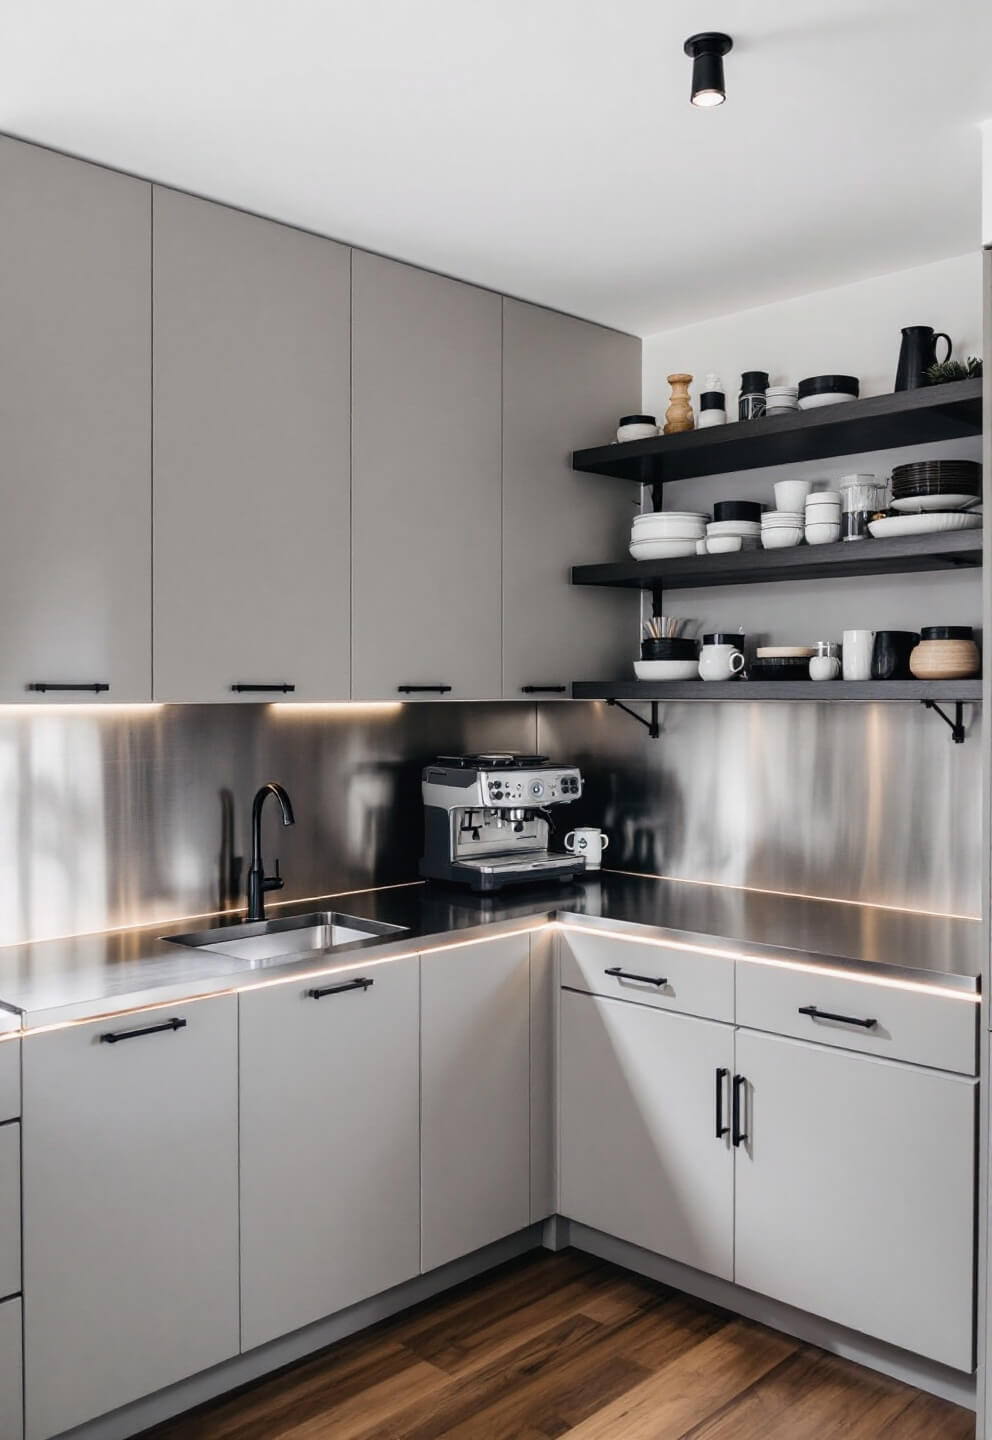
[[114, 818]]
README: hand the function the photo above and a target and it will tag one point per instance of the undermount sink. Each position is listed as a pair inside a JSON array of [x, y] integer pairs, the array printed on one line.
[[294, 935]]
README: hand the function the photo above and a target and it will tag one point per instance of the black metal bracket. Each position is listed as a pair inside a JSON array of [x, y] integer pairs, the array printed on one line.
[[956, 725], [652, 726]]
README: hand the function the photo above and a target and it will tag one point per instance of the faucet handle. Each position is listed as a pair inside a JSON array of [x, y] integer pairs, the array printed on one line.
[[274, 882]]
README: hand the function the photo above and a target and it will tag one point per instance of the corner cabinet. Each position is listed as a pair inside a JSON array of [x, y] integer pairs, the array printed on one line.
[[130, 1193], [426, 485], [251, 457], [75, 414], [565, 383]]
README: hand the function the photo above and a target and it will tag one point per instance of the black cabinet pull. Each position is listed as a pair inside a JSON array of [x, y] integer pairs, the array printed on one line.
[[619, 974], [281, 689], [114, 1037], [362, 983], [721, 1129], [815, 1014], [95, 687], [544, 689], [423, 689], [738, 1134]]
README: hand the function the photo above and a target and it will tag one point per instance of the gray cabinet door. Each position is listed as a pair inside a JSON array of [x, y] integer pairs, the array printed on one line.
[[10, 1209], [475, 1096], [565, 385], [75, 415], [426, 484], [251, 456], [130, 1174], [11, 1420], [330, 1146]]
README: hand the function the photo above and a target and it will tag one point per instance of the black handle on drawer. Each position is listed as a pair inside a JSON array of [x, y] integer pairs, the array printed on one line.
[[280, 688], [738, 1135], [619, 974], [423, 689], [362, 983], [721, 1129], [95, 687], [114, 1037], [815, 1014], [544, 689]]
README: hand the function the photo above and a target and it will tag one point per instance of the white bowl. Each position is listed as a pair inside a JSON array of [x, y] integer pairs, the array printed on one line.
[[816, 402], [815, 503], [647, 537], [818, 533], [781, 538], [823, 497], [782, 392], [662, 549], [734, 527], [723, 544], [656, 527], [666, 669], [669, 515], [637, 432], [791, 494], [773, 518]]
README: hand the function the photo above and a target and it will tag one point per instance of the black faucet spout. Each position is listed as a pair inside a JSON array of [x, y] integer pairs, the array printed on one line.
[[258, 881]]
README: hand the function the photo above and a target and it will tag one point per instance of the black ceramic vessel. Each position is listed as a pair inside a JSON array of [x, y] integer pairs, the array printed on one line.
[[890, 656]]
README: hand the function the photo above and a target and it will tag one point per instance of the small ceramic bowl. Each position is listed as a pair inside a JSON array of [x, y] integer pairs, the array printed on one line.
[[791, 494], [723, 544], [822, 532], [781, 538], [637, 427]]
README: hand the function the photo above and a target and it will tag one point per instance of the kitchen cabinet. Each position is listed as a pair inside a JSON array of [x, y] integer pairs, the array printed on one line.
[[130, 1176], [75, 412], [251, 457], [10, 1209], [648, 973], [475, 1096], [10, 1078], [639, 1153], [426, 485], [565, 384], [11, 1418], [855, 1192], [330, 1152]]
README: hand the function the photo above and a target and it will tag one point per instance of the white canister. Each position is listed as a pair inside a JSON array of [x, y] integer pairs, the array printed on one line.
[[824, 667], [858, 647], [589, 843]]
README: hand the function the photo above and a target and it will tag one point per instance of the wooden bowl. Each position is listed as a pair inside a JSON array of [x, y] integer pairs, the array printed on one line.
[[945, 660]]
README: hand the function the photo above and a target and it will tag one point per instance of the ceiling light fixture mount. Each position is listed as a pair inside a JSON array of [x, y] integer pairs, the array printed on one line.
[[706, 52]]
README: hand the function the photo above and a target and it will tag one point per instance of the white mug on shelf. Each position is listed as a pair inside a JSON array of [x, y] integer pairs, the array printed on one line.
[[858, 645], [589, 842]]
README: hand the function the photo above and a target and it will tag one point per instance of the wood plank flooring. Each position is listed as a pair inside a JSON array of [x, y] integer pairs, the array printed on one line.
[[564, 1345]]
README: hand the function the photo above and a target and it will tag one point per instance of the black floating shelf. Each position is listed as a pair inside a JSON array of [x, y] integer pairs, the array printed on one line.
[[954, 550], [830, 690], [882, 422]]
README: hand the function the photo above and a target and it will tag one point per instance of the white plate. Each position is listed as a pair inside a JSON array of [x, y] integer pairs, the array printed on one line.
[[669, 515], [785, 652], [677, 530], [666, 669], [932, 524], [918, 504], [734, 527], [662, 549]]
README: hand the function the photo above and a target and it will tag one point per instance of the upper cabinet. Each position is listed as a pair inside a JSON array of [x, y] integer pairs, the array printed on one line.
[[426, 485], [565, 383], [75, 413], [251, 457]]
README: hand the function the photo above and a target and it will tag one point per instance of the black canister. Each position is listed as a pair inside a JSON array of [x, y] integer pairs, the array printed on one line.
[[891, 652], [751, 401]]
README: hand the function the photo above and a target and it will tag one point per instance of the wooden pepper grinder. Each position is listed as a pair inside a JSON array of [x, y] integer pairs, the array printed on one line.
[[678, 416]]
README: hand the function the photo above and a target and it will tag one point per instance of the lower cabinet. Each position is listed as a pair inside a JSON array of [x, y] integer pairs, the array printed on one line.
[[640, 1157], [10, 1209], [330, 1155], [475, 1097], [130, 1228], [855, 1192], [11, 1419]]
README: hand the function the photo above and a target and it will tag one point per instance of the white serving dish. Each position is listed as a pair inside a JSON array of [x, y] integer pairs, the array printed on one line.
[[919, 504], [666, 669], [822, 532], [650, 515], [781, 538], [662, 549], [651, 537], [668, 529], [932, 524]]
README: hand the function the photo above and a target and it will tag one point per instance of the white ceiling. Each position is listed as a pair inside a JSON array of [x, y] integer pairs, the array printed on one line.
[[545, 148]]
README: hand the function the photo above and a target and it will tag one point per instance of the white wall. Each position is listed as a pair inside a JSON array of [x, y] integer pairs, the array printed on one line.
[[850, 330], [987, 183]]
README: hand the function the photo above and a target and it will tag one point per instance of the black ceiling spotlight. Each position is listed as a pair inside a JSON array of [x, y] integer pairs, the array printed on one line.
[[707, 51]]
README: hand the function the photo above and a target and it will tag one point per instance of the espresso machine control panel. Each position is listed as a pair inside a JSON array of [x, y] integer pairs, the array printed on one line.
[[537, 788]]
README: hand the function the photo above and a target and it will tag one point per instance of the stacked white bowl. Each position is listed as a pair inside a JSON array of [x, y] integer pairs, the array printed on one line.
[[823, 517], [667, 534], [781, 529], [781, 399], [748, 530]]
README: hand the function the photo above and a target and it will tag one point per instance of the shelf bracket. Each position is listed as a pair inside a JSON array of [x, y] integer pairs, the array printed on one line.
[[956, 725], [652, 726]]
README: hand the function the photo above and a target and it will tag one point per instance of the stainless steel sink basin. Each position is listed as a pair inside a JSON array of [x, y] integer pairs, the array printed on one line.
[[294, 935]]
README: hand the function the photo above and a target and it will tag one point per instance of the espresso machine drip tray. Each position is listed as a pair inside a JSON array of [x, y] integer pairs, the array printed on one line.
[[524, 864]]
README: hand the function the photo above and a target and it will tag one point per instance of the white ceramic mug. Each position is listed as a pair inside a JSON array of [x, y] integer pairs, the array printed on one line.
[[720, 662], [824, 667], [588, 842], [858, 645]]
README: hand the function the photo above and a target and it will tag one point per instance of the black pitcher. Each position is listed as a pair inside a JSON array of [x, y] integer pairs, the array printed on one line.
[[917, 353]]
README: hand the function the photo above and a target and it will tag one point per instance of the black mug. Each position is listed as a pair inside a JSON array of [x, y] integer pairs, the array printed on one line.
[[891, 652], [917, 353]]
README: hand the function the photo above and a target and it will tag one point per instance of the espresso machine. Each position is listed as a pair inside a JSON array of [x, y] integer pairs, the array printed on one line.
[[486, 822]]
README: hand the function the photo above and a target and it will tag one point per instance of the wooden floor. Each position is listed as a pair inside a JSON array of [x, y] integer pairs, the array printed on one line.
[[564, 1345]]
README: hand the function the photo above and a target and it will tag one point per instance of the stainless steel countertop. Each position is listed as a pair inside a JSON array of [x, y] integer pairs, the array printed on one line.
[[53, 981]]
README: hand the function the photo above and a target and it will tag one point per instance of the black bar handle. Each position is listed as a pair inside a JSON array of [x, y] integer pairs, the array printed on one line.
[[362, 983], [423, 689], [95, 687], [281, 688], [815, 1014], [114, 1037], [721, 1129], [619, 974], [544, 689], [738, 1134]]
